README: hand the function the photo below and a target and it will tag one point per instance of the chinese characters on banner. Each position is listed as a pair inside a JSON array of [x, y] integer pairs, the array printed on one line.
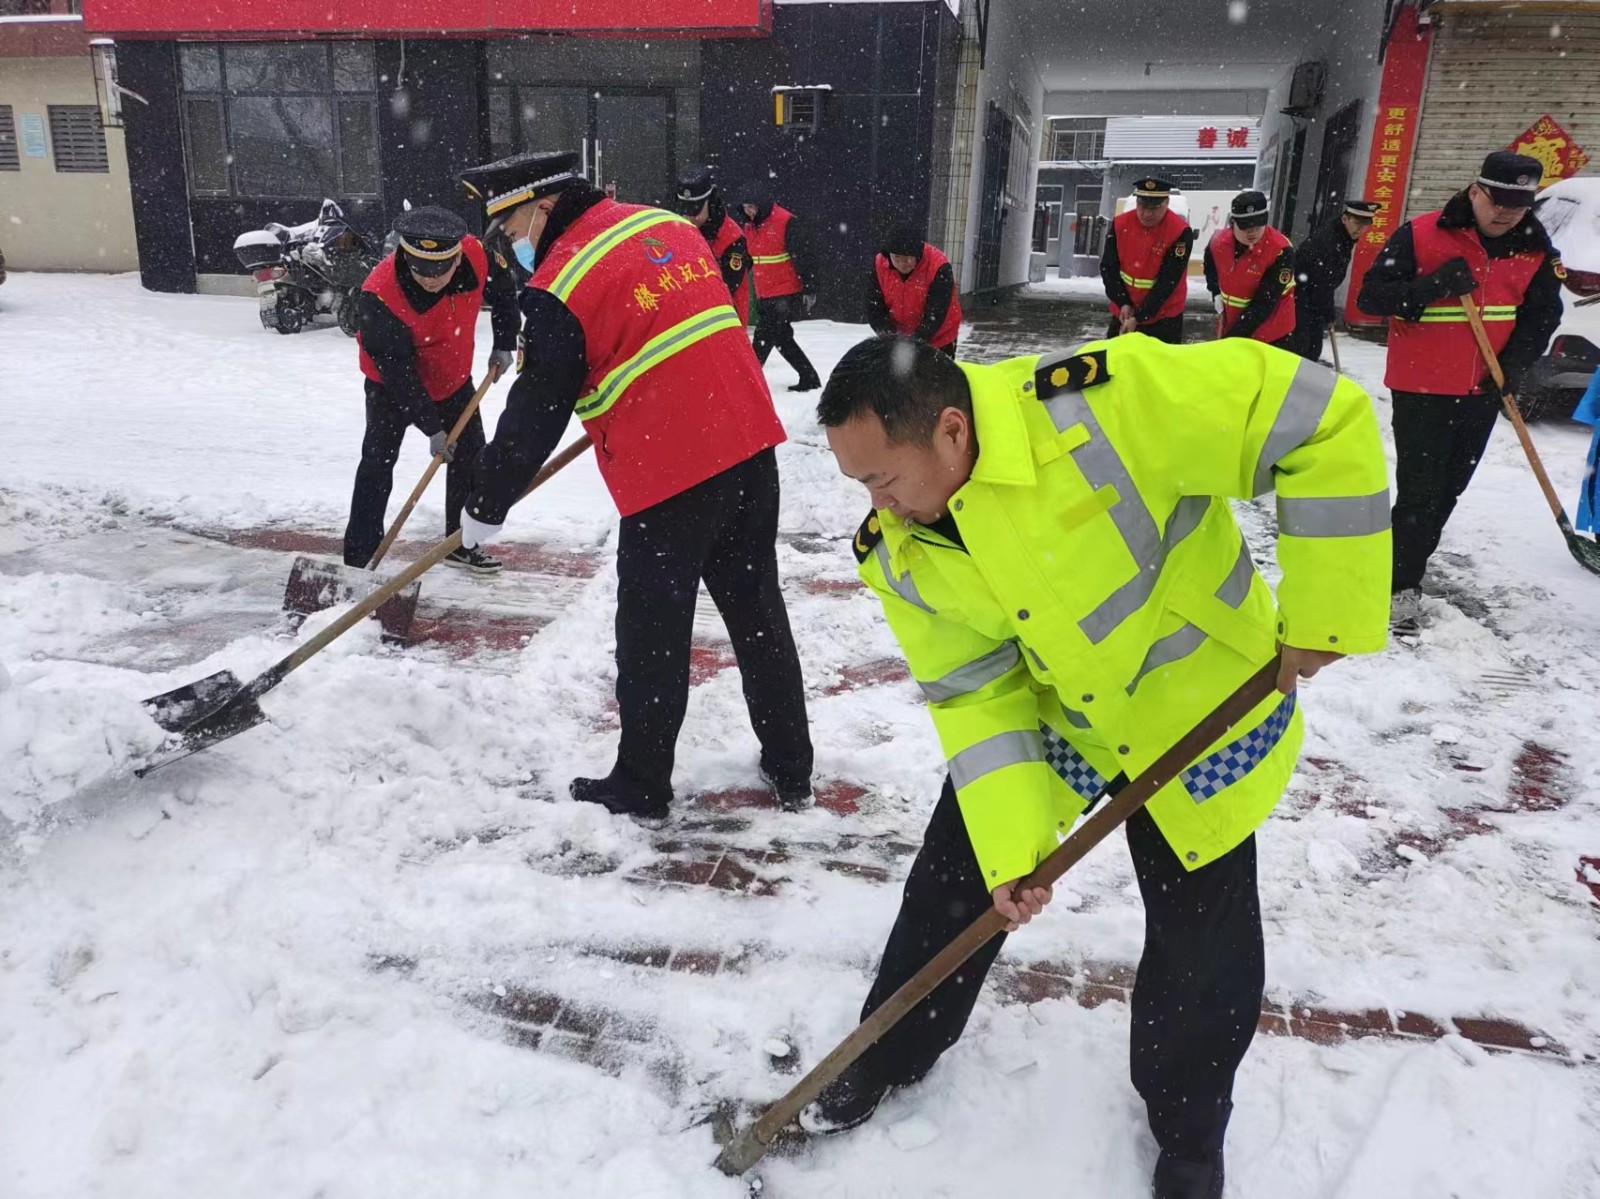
[[1394, 133], [1238, 137], [1553, 147]]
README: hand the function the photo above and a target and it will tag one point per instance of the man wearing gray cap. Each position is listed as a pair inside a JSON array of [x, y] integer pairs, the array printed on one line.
[[1485, 241]]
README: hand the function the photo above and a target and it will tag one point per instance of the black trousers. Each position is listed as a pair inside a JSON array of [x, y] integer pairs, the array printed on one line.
[[775, 331], [723, 531], [387, 423], [1169, 329], [1309, 340], [1196, 1001], [1437, 443]]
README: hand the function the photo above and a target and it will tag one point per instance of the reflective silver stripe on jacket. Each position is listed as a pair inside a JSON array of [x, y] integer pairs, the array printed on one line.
[[1182, 642], [1298, 418], [904, 586], [995, 753], [1345, 516], [980, 672], [1102, 466], [1235, 588]]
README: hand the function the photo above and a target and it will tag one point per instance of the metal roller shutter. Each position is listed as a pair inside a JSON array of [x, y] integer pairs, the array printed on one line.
[[1493, 72]]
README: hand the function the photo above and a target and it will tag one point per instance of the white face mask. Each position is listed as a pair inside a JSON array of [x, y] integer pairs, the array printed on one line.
[[523, 249]]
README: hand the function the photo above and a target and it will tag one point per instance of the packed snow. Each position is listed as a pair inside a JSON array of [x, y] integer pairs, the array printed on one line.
[[274, 968]]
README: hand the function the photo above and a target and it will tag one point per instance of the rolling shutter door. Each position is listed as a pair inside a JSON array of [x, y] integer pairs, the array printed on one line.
[[1493, 73]]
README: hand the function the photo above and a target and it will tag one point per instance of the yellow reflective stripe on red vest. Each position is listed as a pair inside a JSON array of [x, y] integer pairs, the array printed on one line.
[[769, 259], [1450, 311], [657, 350], [1147, 284], [569, 276]]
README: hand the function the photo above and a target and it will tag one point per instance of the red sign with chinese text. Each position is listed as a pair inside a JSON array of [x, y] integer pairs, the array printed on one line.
[[1394, 134], [372, 18], [1553, 147]]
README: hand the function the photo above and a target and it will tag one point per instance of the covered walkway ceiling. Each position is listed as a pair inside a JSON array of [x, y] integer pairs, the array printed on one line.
[[1134, 46]]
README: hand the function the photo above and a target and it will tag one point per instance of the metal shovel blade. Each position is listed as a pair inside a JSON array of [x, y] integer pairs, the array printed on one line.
[[177, 709], [315, 584], [201, 714], [1585, 551]]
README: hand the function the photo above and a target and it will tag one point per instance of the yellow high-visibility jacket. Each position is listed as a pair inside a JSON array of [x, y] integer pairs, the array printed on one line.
[[1103, 600]]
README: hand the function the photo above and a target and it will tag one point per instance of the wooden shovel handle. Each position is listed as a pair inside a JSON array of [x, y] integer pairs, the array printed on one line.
[[427, 475], [1510, 404], [411, 573], [1111, 815]]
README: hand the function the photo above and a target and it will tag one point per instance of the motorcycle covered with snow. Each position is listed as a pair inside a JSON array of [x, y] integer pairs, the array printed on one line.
[[304, 271]]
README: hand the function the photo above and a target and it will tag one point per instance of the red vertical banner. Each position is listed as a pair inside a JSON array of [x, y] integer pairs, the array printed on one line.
[[1394, 135]]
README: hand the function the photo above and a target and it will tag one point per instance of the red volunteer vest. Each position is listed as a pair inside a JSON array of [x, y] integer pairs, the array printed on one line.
[[1140, 253], [673, 393], [727, 233], [906, 297], [769, 251], [1239, 281], [1437, 354], [444, 334]]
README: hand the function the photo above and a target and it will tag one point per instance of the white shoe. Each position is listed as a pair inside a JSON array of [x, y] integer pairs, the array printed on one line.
[[1405, 611]]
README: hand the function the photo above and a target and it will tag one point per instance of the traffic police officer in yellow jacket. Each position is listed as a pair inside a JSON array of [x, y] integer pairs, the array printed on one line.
[[1053, 546]]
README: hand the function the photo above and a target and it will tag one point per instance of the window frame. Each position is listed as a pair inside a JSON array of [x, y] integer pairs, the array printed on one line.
[[8, 126], [69, 165], [330, 94]]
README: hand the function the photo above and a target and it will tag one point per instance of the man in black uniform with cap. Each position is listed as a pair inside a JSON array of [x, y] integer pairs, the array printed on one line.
[[1250, 272], [418, 314], [1485, 241], [1145, 265], [1320, 263], [700, 199], [630, 327]]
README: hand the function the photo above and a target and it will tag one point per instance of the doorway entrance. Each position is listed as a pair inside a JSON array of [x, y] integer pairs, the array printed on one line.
[[618, 131], [1333, 171]]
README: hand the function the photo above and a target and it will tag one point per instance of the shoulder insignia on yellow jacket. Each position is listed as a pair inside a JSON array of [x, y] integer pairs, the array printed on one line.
[[867, 536], [1073, 373]]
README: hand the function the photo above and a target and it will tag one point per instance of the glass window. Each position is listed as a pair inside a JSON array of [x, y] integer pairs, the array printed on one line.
[[502, 130], [282, 119], [208, 147], [277, 67], [201, 67], [283, 146], [352, 67], [358, 148]]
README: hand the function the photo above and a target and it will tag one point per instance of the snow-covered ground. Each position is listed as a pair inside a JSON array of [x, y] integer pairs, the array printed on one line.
[[311, 961]]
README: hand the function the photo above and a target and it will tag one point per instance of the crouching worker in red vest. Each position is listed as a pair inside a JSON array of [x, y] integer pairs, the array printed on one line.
[[418, 315], [1485, 241], [1250, 272], [1145, 265], [628, 324], [913, 292]]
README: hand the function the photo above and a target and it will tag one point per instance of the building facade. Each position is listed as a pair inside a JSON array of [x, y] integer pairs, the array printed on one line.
[[257, 112], [64, 190]]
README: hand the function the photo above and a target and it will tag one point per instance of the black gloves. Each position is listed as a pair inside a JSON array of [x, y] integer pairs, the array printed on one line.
[[1454, 278]]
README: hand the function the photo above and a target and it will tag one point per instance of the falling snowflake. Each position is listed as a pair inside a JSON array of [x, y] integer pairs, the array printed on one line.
[[1238, 11]]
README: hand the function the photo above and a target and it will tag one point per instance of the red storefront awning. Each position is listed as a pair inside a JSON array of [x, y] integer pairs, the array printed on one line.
[[424, 18]]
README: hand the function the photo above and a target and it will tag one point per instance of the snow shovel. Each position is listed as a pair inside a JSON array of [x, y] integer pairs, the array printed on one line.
[[219, 706], [1586, 551], [745, 1149], [314, 584], [1333, 344]]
